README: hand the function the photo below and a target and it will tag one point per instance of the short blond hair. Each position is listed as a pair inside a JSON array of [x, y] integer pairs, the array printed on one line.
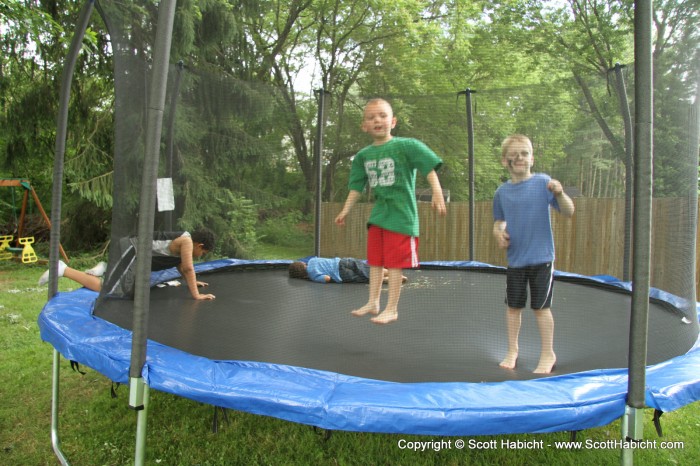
[[377, 100], [507, 142]]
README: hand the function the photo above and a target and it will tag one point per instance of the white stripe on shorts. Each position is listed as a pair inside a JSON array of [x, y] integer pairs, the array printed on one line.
[[414, 253]]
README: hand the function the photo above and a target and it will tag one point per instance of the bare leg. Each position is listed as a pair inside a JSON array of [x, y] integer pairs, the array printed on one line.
[[513, 321], [545, 323], [375, 293], [391, 312], [88, 281], [385, 277]]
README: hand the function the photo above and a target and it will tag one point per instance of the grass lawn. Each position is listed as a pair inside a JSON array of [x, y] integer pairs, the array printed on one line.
[[99, 429]]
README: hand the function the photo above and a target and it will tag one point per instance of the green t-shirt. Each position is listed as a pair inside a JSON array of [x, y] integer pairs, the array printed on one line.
[[390, 171]]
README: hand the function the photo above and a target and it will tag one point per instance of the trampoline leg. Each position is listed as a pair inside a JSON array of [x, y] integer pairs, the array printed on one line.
[[55, 440], [657, 422], [632, 430], [215, 422], [324, 433], [141, 417]]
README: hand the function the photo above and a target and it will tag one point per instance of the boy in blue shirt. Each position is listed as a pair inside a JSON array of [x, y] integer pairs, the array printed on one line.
[[336, 270], [522, 226]]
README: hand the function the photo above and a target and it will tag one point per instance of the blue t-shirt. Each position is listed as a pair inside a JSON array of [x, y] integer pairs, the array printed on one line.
[[525, 208], [319, 267]]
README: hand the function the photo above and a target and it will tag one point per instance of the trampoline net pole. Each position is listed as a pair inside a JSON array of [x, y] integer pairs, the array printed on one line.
[[55, 231], [633, 426], [141, 427], [55, 392]]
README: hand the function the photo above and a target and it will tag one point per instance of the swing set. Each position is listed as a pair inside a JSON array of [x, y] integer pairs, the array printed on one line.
[[23, 245]]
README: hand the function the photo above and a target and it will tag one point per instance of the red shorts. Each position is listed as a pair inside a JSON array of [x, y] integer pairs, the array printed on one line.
[[390, 249]]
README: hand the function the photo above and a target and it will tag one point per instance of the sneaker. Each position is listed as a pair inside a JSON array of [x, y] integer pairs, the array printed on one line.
[[97, 270], [44, 279]]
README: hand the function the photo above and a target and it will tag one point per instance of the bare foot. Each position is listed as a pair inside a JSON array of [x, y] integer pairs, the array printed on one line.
[[386, 317], [510, 361], [547, 364], [364, 310], [404, 279]]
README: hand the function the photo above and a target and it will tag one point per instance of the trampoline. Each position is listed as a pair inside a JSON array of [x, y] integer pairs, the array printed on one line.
[[288, 348]]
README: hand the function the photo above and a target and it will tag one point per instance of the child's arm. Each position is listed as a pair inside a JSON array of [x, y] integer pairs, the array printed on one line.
[[186, 267], [500, 234], [353, 196], [566, 205], [438, 199], [320, 279]]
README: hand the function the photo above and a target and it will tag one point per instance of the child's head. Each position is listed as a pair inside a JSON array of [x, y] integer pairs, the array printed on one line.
[[378, 120], [298, 270], [205, 238], [516, 154]]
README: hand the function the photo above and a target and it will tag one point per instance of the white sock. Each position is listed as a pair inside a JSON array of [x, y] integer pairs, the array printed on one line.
[[61, 268], [44, 279]]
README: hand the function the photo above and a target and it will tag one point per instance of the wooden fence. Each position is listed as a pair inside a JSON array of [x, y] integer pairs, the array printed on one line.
[[589, 243]]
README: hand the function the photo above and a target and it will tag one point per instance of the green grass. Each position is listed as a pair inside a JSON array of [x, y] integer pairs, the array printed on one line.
[[97, 429], [271, 251]]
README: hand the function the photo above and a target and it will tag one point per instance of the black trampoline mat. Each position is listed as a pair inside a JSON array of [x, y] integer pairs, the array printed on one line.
[[451, 326]]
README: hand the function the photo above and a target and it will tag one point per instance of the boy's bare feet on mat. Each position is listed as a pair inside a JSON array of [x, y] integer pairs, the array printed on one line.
[[385, 317], [364, 310], [547, 364], [510, 361]]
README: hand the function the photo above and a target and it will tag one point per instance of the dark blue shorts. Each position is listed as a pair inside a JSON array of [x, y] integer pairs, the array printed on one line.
[[539, 278], [353, 271]]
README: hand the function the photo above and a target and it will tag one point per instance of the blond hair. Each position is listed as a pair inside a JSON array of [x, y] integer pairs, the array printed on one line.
[[378, 101]]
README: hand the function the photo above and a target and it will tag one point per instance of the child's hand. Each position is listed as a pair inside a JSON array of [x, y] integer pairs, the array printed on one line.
[[555, 186], [439, 205], [503, 240], [340, 219], [566, 205]]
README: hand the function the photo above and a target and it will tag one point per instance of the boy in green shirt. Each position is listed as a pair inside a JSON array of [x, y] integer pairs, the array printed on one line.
[[389, 167]]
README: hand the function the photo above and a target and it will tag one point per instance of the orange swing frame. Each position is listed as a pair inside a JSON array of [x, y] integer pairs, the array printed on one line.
[[24, 183]]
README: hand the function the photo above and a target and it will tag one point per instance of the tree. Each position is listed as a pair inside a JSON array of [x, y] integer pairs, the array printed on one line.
[[33, 47], [591, 36], [539, 68]]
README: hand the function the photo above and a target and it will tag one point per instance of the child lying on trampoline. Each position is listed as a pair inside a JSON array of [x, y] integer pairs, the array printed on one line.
[[337, 270], [174, 249]]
